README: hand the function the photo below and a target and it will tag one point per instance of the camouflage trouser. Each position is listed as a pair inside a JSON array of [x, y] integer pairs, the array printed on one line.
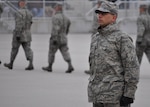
[[26, 46], [108, 105], [53, 49], [140, 50]]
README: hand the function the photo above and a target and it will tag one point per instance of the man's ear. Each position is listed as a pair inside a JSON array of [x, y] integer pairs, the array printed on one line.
[[114, 18]]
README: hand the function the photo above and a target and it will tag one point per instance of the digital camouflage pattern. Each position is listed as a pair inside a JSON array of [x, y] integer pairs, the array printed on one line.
[[60, 25], [114, 66], [22, 30], [58, 39], [23, 25], [143, 36], [109, 7]]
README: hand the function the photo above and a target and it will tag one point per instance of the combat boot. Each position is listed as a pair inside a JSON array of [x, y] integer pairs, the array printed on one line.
[[9, 65], [70, 69], [48, 68], [30, 66]]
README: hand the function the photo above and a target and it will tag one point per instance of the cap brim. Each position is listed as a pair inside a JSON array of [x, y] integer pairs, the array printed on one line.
[[101, 10]]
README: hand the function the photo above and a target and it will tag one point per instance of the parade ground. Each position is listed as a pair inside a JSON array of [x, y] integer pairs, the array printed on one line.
[[38, 88]]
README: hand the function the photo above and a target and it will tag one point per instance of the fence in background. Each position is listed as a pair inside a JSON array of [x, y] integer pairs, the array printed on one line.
[[79, 11]]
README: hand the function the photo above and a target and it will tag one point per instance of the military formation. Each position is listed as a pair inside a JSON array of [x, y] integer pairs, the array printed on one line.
[[58, 40], [114, 61]]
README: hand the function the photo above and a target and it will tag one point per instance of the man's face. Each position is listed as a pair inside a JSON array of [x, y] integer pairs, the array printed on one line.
[[105, 18], [142, 10], [22, 4], [58, 8]]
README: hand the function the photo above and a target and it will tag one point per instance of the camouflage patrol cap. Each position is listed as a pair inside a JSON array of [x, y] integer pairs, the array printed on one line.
[[108, 7]]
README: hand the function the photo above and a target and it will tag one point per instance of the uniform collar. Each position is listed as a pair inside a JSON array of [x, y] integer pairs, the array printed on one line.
[[108, 29], [23, 7]]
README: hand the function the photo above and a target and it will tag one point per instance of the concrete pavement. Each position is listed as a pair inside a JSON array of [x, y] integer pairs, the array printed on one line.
[[20, 88]]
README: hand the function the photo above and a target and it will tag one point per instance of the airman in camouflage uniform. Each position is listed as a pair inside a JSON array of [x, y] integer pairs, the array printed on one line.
[[113, 63], [58, 39], [22, 35], [143, 34]]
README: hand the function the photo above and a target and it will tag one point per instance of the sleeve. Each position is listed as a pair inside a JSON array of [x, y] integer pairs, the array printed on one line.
[[30, 16], [68, 26], [130, 65], [55, 26], [90, 55], [92, 51], [140, 29], [19, 23]]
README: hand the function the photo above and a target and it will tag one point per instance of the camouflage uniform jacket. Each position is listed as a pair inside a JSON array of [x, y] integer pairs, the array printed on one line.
[[60, 28], [114, 66], [143, 29], [23, 25]]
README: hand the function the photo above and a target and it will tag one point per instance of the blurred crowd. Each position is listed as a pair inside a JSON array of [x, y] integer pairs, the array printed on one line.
[[36, 7]]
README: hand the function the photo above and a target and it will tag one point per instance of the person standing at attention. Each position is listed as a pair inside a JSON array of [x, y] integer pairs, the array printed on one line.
[[113, 62]]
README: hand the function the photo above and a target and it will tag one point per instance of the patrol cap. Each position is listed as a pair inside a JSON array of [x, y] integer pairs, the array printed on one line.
[[112, 0], [108, 7]]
